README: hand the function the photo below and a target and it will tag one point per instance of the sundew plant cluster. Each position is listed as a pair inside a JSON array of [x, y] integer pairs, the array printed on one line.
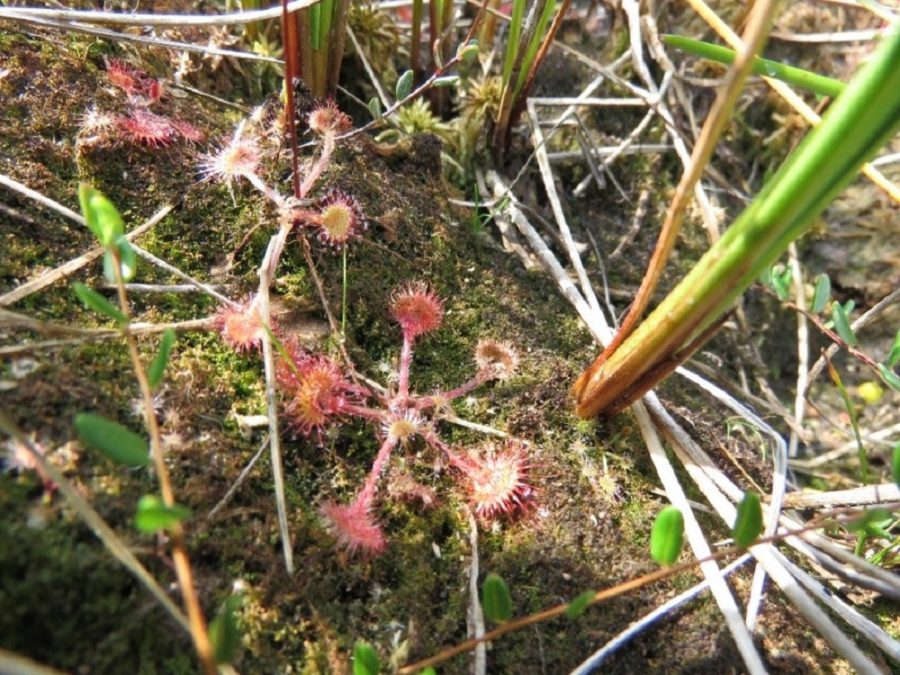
[[318, 394]]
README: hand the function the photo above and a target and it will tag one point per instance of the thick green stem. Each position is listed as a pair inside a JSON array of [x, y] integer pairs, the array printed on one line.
[[861, 120]]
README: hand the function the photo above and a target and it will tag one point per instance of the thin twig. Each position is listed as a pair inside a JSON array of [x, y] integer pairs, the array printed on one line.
[[475, 614], [183, 570], [138, 19], [266, 274], [591, 664], [812, 118], [864, 320], [116, 36], [239, 481]]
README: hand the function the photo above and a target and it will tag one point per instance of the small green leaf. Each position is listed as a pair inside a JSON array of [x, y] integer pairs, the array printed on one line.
[[749, 521], [102, 217], [468, 51], [890, 377], [446, 81], [428, 671], [375, 108], [365, 659], [93, 300], [495, 599], [224, 633], [404, 85], [127, 261], [839, 315], [895, 464], [112, 439], [161, 360], [822, 294], [894, 357], [870, 521], [153, 515], [577, 607], [667, 536], [779, 278]]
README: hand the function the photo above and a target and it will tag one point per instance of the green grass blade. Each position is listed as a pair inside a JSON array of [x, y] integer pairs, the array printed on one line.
[[512, 41], [539, 36], [798, 77], [861, 120]]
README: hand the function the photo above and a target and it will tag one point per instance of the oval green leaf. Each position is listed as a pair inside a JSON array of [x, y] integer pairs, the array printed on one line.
[[822, 294], [895, 464], [842, 324], [102, 217], [404, 85], [748, 524], [153, 515], [365, 659], [93, 300], [889, 376], [224, 633], [667, 536], [161, 360], [495, 599], [112, 439], [127, 261], [375, 108], [446, 81], [468, 51], [894, 356], [578, 606]]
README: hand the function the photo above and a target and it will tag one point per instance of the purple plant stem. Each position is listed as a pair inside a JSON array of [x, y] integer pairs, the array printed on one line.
[[405, 360], [367, 494], [466, 387], [455, 460], [316, 170], [362, 411]]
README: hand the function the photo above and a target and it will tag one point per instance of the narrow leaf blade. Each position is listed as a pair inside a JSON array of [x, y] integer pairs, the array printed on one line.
[[96, 302], [578, 606], [667, 536], [842, 324], [112, 439], [895, 464], [822, 294], [161, 360], [495, 599], [748, 524], [224, 633], [894, 356]]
